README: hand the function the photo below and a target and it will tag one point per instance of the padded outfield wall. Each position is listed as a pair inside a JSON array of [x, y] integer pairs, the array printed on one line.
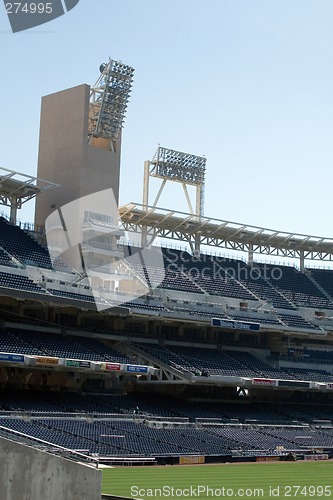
[[30, 474]]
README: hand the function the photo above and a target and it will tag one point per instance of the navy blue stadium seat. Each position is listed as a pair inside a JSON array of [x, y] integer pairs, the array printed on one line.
[[22, 246]]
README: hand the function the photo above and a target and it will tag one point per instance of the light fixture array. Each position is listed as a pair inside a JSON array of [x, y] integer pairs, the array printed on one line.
[[109, 100]]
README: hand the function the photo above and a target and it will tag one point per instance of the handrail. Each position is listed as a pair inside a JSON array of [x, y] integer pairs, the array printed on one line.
[[53, 445], [17, 414]]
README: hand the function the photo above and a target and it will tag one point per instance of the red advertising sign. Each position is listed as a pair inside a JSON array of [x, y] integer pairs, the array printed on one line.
[[263, 381], [112, 366]]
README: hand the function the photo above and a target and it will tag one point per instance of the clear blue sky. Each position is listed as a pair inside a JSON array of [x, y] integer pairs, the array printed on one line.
[[247, 83]]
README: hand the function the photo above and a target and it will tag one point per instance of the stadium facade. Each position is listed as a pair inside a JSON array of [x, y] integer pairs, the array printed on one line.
[[124, 354]]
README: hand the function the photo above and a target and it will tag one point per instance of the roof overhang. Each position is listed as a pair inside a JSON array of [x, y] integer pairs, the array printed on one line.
[[186, 227], [19, 188]]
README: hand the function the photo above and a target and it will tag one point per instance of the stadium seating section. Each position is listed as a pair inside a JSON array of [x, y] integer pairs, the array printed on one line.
[[195, 360], [63, 346], [235, 363], [22, 246], [112, 426], [153, 425], [19, 282], [283, 287]]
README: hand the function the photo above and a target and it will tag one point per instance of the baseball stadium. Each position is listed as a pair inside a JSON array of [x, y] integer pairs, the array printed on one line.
[[147, 351]]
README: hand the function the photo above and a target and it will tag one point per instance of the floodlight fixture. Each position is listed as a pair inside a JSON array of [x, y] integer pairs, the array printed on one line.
[[109, 100], [178, 166]]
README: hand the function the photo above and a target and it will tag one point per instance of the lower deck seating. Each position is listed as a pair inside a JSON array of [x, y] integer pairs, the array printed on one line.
[[150, 405], [60, 419]]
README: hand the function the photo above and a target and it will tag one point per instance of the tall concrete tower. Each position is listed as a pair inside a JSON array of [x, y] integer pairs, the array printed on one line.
[[80, 138]]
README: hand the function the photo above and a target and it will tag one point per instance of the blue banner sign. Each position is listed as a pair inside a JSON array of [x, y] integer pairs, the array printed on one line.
[[14, 358], [235, 325], [137, 369]]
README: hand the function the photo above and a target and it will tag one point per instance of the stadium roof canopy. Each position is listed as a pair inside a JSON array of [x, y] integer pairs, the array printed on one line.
[[163, 223], [17, 188]]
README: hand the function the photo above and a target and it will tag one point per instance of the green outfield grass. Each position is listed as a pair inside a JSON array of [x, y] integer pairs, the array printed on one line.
[[293, 480]]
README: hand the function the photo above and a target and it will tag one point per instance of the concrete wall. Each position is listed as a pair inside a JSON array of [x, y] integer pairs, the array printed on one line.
[[29, 474], [66, 158]]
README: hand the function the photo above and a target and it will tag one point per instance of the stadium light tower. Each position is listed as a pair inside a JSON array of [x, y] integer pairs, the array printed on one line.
[[80, 138], [175, 166], [108, 101]]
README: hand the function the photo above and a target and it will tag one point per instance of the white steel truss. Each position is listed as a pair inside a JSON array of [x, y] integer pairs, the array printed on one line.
[[185, 227]]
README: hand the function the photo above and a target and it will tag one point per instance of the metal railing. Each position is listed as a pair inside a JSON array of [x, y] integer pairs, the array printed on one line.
[[46, 446]]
